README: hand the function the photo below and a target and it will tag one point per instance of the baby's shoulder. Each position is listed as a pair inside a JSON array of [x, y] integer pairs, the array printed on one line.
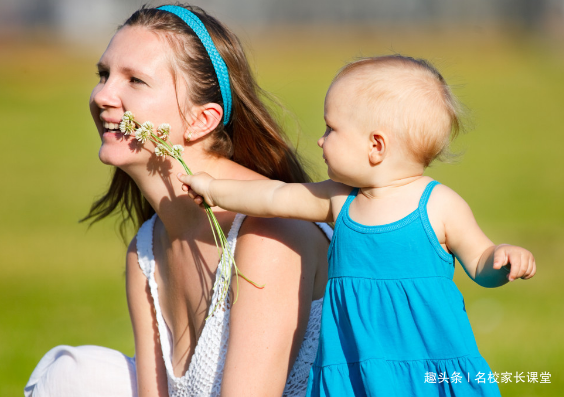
[[444, 203], [444, 194], [339, 193]]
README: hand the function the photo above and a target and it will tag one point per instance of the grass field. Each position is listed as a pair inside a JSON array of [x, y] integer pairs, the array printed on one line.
[[62, 283]]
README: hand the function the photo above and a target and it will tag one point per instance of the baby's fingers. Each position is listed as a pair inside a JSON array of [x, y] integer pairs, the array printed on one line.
[[519, 266], [197, 198], [531, 269], [185, 179], [522, 264], [193, 195], [513, 266], [500, 258]]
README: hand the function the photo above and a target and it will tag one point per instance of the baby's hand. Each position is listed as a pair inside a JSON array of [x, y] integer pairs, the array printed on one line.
[[520, 262], [198, 187]]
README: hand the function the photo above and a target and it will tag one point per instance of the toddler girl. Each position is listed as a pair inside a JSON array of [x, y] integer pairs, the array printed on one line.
[[393, 321]]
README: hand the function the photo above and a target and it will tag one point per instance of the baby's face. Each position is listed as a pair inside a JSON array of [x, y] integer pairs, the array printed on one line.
[[345, 142]]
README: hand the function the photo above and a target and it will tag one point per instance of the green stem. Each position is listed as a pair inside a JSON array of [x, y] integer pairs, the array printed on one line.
[[218, 235]]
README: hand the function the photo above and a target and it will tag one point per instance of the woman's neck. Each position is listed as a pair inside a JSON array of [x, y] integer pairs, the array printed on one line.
[[159, 185]]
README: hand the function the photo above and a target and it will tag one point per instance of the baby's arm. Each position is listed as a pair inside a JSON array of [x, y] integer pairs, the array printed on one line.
[[488, 264], [265, 198]]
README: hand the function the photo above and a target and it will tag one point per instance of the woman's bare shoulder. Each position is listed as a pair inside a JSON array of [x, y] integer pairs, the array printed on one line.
[[284, 253], [281, 234]]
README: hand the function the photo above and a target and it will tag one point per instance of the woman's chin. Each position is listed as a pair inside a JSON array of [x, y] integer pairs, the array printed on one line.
[[119, 150], [107, 158], [116, 156]]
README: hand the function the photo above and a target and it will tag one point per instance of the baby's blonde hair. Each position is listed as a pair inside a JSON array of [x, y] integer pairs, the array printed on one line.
[[409, 98]]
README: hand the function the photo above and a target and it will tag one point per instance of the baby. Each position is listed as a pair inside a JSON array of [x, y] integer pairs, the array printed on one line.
[[391, 314]]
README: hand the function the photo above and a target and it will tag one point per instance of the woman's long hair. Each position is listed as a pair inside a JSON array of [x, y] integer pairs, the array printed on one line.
[[252, 137]]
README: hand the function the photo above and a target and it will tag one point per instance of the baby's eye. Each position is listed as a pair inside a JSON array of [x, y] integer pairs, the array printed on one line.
[[328, 130]]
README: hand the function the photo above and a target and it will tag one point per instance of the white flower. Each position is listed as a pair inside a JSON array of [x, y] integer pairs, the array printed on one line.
[[163, 131], [147, 125], [127, 116], [177, 150], [127, 125], [144, 132], [161, 150], [141, 134]]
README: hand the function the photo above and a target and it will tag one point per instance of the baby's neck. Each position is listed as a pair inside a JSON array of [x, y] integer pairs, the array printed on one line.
[[381, 205], [386, 188]]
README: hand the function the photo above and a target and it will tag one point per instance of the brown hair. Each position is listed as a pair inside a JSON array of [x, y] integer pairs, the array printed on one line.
[[411, 99], [252, 137]]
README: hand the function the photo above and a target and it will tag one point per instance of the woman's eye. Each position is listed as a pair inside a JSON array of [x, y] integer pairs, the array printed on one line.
[[135, 80], [102, 75]]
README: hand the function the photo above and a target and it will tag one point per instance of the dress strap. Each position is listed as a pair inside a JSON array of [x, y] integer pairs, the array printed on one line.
[[346, 205], [351, 197], [426, 194], [145, 246], [427, 224]]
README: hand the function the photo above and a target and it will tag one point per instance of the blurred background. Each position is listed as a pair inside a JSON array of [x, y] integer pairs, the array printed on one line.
[[63, 283]]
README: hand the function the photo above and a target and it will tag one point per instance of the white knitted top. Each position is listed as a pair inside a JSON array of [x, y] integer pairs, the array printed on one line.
[[205, 371]]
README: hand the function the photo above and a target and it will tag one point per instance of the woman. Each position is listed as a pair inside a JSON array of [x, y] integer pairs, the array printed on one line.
[[157, 67]]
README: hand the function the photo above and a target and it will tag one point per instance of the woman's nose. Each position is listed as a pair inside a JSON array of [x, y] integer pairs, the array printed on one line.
[[106, 96]]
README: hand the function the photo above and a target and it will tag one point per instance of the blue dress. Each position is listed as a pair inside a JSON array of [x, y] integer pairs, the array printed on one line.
[[393, 321]]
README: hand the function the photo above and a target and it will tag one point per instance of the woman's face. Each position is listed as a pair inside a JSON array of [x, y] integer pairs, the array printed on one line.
[[135, 75]]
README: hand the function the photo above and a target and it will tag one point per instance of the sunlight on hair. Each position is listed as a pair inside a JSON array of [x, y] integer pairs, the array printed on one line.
[[409, 98]]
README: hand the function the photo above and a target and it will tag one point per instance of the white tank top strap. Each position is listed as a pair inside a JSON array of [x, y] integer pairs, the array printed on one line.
[[234, 231], [224, 270], [145, 246], [206, 365], [146, 261]]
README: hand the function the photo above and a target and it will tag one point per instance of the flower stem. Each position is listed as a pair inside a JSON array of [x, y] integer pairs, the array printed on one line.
[[219, 237]]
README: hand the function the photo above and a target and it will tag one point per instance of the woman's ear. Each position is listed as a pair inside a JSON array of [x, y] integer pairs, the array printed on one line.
[[205, 119], [378, 146]]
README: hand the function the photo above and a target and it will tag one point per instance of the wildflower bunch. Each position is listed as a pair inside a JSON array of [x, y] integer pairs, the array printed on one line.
[[146, 132]]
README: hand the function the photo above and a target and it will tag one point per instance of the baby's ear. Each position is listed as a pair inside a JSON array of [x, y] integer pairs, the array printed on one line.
[[205, 119], [378, 146]]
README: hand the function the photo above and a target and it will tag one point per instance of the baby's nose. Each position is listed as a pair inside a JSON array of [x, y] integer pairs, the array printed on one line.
[[320, 142]]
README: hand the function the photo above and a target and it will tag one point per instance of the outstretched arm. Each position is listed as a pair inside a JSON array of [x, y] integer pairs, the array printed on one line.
[[265, 198], [488, 264]]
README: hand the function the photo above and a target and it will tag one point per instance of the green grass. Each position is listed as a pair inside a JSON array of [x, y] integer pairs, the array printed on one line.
[[64, 284]]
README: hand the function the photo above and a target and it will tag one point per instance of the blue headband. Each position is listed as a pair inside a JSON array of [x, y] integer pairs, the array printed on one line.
[[217, 61]]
